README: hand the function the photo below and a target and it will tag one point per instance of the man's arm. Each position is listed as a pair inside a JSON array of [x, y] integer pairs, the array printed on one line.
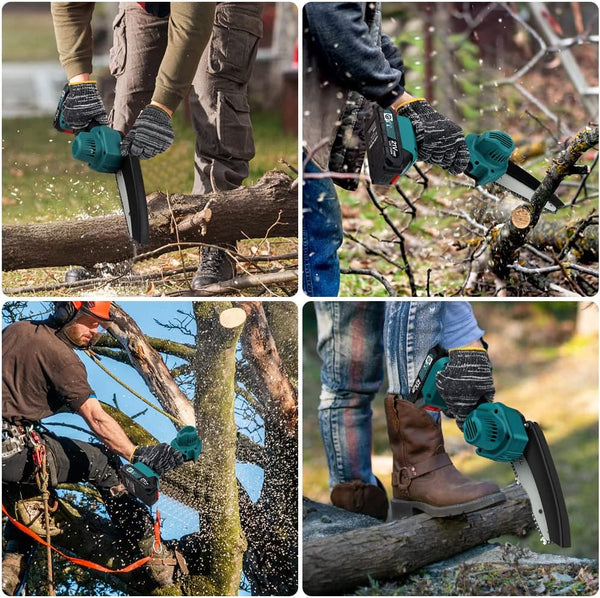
[[73, 32], [354, 59], [106, 428], [190, 26]]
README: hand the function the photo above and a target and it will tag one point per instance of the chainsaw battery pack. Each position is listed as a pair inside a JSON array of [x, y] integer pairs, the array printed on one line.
[[391, 146], [140, 481]]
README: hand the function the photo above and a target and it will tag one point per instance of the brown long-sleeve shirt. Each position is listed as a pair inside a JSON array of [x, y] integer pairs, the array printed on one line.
[[190, 26]]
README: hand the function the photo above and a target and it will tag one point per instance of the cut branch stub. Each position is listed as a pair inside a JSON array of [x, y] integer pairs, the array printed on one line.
[[521, 217], [232, 318]]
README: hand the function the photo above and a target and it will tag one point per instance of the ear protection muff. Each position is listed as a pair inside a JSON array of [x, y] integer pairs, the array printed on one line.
[[64, 312]]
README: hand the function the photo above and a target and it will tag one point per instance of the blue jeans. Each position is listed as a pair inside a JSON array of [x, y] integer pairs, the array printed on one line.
[[411, 329], [322, 236], [353, 337]]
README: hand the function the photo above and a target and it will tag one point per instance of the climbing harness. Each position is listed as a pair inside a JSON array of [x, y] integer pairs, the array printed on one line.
[[14, 439]]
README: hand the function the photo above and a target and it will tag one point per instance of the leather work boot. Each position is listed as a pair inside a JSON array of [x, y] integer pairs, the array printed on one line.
[[215, 266], [164, 563], [13, 569], [423, 477], [360, 497]]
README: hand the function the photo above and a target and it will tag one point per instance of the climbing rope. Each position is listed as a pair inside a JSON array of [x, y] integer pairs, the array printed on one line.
[[83, 562], [40, 461], [97, 361]]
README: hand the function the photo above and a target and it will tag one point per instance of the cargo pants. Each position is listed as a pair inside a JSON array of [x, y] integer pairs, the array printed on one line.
[[218, 99]]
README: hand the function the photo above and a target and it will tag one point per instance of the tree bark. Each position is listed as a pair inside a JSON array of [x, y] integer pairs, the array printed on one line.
[[338, 564], [216, 494], [283, 324], [269, 208], [506, 239]]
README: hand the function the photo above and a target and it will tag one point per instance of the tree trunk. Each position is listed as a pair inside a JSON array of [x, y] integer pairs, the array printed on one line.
[[216, 494], [271, 524], [269, 208], [338, 564], [149, 364]]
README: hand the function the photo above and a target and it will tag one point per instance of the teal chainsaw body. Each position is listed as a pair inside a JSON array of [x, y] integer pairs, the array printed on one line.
[[392, 151], [502, 434], [99, 147], [144, 483]]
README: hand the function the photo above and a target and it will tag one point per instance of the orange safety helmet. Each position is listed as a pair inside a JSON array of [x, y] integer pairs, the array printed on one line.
[[96, 309], [65, 311]]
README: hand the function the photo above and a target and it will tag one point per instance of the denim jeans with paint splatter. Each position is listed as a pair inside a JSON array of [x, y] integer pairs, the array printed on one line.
[[353, 338]]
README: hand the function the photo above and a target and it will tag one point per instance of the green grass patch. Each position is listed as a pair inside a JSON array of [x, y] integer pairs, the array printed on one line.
[[42, 182], [30, 43]]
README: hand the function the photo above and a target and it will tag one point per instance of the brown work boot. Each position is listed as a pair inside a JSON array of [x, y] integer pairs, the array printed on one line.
[[423, 477], [359, 497], [14, 565], [165, 562]]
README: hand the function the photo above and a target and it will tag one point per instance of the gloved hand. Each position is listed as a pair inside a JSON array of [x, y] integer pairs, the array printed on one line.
[[151, 134], [83, 105], [158, 457], [465, 382], [440, 141]]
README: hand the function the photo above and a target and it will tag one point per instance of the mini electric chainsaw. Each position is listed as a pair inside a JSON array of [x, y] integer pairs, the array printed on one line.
[[99, 146], [392, 151], [501, 433], [144, 483]]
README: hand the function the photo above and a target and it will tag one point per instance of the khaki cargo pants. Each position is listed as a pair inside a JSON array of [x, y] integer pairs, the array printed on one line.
[[218, 99]]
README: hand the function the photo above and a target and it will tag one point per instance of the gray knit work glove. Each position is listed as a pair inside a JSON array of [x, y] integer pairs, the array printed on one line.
[[465, 382], [158, 457], [83, 105], [151, 134], [440, 141]]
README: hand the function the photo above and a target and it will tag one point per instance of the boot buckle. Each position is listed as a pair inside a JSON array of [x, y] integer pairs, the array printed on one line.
[[404, 476]]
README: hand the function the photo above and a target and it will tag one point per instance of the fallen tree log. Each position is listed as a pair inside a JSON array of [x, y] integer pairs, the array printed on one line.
[[337, 564], [269, 208]]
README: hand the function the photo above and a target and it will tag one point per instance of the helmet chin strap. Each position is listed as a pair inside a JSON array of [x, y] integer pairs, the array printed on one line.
[[64, 335]]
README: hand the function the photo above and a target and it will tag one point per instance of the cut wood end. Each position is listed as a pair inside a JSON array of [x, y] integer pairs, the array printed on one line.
[[521, 217], [232, 318]]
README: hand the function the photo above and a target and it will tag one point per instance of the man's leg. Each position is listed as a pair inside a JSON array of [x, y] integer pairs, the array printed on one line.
[[350, 346], [322, 236], [423, 476], [139, 44], [221, 115], [18, 546]]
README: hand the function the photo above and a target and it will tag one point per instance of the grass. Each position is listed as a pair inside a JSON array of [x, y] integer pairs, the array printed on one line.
[[41, 182], [540, 369], [27, 44]]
